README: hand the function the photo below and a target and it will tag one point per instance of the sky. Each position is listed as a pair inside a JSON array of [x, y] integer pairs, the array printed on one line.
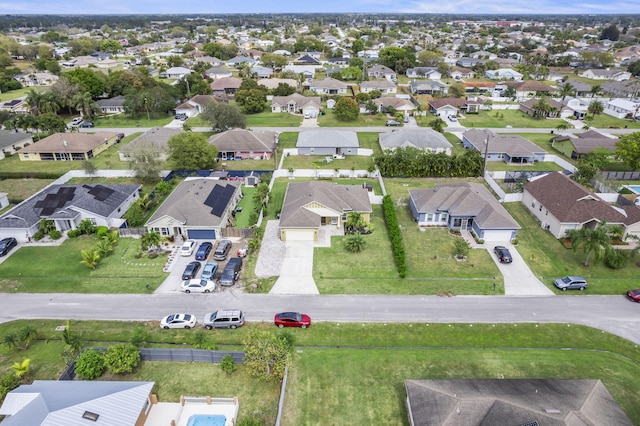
[[99, 7]]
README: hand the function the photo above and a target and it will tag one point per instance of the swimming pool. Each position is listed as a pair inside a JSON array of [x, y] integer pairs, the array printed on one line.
[[634, 188], [207, 420]]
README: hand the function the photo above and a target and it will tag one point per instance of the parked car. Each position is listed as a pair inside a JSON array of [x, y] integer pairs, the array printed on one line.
[[187, 248], [503, 254], [191, 270], [198, 286], [292, 319], [86, 124], [6, 244], [76, 121], [405, 119], [392, 123], [231, 271], [209, 270], [453, 118], [224, 318], [178, 321], [571, 283], [181, 116], [634, 295], [222, 250], [204, 250]]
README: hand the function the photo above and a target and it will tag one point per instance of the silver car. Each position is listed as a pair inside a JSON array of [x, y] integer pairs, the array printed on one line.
[[224, 318]]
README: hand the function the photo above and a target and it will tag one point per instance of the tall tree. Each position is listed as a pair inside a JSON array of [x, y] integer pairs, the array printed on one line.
[[593, 241], [224, 116], [267, 354], [146, 160], [191, 151], [346, 109], [595, 108], [84, 103], [628, 150], [565, 90]]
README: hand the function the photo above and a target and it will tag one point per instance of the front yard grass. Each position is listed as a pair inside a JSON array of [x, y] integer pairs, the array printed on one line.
[[605, 121], [271, 119], [346, 165], [503, 118], [42, 269], [363, 120], [126, 120], [549, 259]]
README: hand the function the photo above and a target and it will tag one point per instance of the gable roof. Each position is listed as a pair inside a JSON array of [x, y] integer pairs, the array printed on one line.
[[69, 142], [186, 204], [327, 138], [8, 138], [454, 102], [570, 202], [486, 402], [299, 100], [158, 136], [586, 142], [385, 84], [52, 403], [339, 198], [329, 83], [397, 103], [421, 139], [116, 101], [464, 199], [56, 200], [530, 85], [244, 140], [226, 83], [512, 145]]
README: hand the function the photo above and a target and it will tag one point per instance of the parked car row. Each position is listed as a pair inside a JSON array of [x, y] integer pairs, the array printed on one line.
[[231, 318], [206, 284]]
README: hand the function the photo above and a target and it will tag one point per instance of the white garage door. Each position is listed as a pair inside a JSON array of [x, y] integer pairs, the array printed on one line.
[[299, 235], [501, 236]]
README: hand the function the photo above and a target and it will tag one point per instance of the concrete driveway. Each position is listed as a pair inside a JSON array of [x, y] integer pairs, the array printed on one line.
[[296, 275], [518, 278]]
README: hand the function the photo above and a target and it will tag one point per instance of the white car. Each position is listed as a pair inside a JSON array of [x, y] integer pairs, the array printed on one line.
[[198, 285], [178, 321], [76, 121], [453, 118], [187, 248]]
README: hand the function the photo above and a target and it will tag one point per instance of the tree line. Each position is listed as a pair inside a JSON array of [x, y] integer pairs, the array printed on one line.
[[413, 162]]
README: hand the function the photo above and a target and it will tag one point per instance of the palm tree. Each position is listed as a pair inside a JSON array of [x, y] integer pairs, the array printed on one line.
[[89, 258], [437, 124], [595, 108], [49, 104], [26, 334], [355, 243], [33, 101], [150, 239], [21, 368], [104, 247], [563, 126], [83, 102], [596, 90], [566, 90], [593, 241]]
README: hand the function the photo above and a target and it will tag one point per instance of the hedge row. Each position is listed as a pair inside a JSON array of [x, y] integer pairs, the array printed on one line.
[[393, 228], [29, 175]]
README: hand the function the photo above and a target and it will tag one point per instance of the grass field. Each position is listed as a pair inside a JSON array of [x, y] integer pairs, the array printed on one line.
[[21, 189], [503, 118], [605, 121], [14, 94], [363, 120], [354, 374], [125, 120]]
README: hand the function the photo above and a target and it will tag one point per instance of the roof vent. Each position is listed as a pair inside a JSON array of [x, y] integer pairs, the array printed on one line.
[[90, 416], [552, 411]]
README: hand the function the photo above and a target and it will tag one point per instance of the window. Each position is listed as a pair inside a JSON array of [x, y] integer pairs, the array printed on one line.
[[444, 217], [430, 217], [93, 221]]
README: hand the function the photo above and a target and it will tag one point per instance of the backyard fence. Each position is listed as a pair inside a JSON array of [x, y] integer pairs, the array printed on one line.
[[131, 232], [621, 175], [237, 232]]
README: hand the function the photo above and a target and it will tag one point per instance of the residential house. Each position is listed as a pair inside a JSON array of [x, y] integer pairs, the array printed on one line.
[[198, 208], [262, 72], [296, 104], [68, 205], [503, 74], [621, 89], [578, 108], [4, 200], [427, 87], [512, 149], [37, 79], [623, 108], [176, 72], [72, 402], [154, 141], [425, 139], [218, 72], [272, 83], [530, 88], [328, 86], [431, 73], [398, 104], [562, 204], [578, 145], [16, 106], [459, 73], [386, 87], [473, 88], [511, 401], [444, 107], [557, 109], [308, 206], [606, 74], [466, 62], [307, 60], [308, 72], [113, 105], [196, 105], [11, 142], [581, 88], [240, 60], [226, 86], [327, 142], [380, 71], [69, 146], [245, 144], [339, 61], [463, 206]]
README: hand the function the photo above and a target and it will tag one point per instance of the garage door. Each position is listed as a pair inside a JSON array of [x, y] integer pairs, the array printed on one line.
[[300, 235], [497, 236], [201, 234]]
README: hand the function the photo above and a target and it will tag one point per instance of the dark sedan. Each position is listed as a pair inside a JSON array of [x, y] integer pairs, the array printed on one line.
[[6, 245], [204, 250], [503, 254], [292, 319], [191, 271]]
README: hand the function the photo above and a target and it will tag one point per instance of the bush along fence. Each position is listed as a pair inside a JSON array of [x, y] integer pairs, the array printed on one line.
[[390, 218]]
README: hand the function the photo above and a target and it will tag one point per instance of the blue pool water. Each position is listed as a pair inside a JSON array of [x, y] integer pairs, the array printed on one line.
[[635, 188], [207, 420]]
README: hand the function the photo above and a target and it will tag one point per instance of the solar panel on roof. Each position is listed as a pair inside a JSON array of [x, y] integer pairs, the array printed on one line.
[[218, 198], [55, 200], [100, 192]]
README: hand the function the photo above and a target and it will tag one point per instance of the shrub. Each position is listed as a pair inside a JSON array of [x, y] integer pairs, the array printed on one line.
[[86, 227], [122, 358], [615, 259], [228, 365], [139, 337], [38, 235], [90, 364], [201, 340], [8, 382], [397, 245], [73, 233], [55, 234], [101, 231]]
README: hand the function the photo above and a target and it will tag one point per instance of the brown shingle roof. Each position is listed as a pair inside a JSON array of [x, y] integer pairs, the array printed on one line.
[[69, 142], [244, 140]]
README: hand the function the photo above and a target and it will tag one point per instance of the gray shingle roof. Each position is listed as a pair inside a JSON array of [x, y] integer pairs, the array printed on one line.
[[512, 145], [299, 100], [464, 199], [339, 198], [329, 83], [328, 138], [422, 139], [58, 403], [8, 138], [158, 136], [244, 140]]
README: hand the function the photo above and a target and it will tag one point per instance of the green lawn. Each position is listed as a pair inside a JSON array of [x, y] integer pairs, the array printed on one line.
[[363, 120], [21, 189], [58, 269], [605, 121], [287, 140], [270, 119], [549, 259], [141, 120], [247, 204], [350, 162], [18, 93], [503, 118], [354, 374]]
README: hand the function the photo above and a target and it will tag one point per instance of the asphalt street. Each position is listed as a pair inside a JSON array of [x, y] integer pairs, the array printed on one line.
[[614, 314]]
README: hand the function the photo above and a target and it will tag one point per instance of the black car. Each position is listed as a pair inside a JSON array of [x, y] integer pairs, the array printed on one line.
[[86, 124], [6, 245], [191, 270], [503, 254], [204, 250]]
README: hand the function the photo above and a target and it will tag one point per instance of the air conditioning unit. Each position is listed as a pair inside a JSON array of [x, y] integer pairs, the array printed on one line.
[[543, 225]]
